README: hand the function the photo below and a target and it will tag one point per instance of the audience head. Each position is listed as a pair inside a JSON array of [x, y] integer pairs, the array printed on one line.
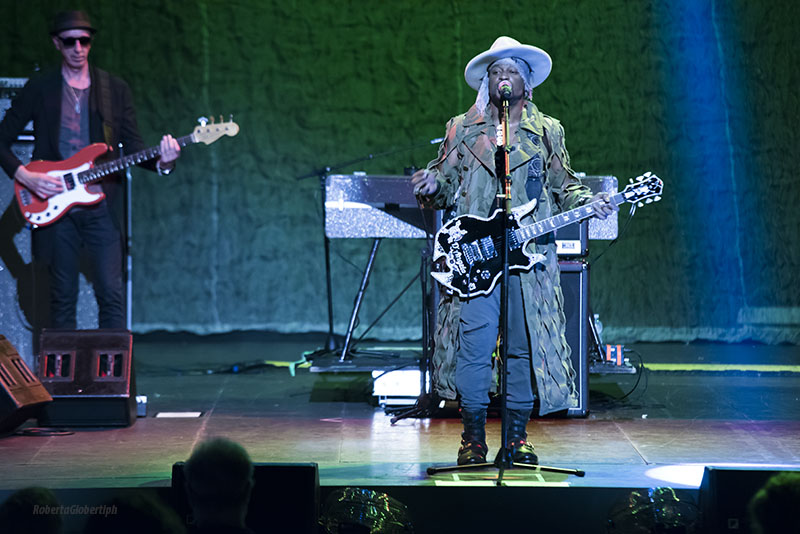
[[134, 512], [219, 480], [33, 509], [773, 509]]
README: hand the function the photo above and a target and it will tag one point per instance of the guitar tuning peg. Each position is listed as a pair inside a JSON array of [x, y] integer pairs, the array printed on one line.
[[230, 117], [648, 201], [202, 120], [640, 204], [630, 180], [657, 198], [221, 119], [647, 174]]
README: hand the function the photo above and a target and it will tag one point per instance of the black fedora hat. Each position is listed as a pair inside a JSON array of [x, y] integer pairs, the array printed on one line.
[[71, 20]]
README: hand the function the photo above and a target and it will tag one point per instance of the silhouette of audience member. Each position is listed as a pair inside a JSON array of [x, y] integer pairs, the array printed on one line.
[[363, 511], [134, 513], [773, 509], [219, 480], [28, 510]]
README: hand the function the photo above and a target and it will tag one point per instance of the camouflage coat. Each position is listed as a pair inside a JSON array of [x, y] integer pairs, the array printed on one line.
[[465, 172]]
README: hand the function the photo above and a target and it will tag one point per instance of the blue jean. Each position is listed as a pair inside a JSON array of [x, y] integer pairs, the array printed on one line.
[[93, 228], [477, 338]]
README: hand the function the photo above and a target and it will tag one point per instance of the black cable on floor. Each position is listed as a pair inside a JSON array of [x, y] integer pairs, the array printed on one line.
[[642, 370]]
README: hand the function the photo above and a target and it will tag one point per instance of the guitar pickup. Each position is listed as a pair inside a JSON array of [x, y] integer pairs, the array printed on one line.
[[25, 197], [487, 249], [480, 250], [69, 181], [471, 253]]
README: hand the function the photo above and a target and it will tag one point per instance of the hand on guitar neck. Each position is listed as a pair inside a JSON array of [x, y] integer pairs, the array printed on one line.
[[602, 206], [170, 151]]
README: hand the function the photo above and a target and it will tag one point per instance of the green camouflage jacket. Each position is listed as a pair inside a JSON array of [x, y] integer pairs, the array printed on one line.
[[465, 173]]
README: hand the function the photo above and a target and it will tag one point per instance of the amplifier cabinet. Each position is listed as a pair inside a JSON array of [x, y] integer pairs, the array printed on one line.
[[575, 286]]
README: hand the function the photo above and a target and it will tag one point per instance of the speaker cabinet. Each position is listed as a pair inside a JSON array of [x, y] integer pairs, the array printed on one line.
[[89, 374], [575, 286], [21, 394], [285, 497], [725, 493]]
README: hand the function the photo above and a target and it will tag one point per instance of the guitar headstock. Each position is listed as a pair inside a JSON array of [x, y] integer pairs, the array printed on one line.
[[646, 187], [210, 131]]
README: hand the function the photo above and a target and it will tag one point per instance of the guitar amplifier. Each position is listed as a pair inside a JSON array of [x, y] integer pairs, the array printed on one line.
[[575, 287], [573, 241], [9, 87]]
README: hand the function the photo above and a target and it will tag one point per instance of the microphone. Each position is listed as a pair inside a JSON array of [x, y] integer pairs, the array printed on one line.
[[504, 87]]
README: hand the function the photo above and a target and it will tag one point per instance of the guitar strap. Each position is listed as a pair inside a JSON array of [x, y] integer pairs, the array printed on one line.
[[533, 182], [543, 176], [105, 106]]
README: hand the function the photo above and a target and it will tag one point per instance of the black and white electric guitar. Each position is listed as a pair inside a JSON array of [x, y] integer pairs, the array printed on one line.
[[471, 246]]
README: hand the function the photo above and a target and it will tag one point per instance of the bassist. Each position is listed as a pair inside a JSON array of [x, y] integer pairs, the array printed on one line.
[[70, 108]]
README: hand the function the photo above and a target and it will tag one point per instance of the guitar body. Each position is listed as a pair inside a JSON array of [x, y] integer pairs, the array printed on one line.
[[41, 212], [467, 249], [471, 247]]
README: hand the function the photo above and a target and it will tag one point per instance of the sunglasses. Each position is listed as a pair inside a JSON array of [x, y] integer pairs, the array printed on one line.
[[69, 42]]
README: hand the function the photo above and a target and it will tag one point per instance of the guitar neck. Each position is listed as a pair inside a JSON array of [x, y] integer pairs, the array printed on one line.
[[555, 222], [97, 172]]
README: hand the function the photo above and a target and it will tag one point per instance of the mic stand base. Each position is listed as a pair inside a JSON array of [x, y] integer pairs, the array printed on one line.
[[426, 406], [500, 465]]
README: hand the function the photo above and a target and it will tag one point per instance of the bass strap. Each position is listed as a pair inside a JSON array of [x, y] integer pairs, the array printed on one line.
[[105, 106]]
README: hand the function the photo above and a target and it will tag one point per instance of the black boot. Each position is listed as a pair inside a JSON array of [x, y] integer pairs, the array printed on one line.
[[473, 439], [521, 451]]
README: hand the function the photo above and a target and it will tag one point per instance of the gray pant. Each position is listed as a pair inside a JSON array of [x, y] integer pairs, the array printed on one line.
[[477, 338]]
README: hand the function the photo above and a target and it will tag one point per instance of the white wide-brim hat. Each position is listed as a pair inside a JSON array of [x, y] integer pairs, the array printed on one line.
[[504, 47]]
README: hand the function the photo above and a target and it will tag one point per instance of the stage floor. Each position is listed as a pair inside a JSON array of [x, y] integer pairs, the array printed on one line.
[[672, 425]]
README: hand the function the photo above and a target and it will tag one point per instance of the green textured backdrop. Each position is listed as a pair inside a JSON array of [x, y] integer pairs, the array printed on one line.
[[232, 240]]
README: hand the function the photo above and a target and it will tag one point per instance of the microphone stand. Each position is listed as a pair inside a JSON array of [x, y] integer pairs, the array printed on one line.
[[505, 458]]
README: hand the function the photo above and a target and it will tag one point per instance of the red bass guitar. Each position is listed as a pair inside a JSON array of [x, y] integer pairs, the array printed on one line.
[[80, 171]]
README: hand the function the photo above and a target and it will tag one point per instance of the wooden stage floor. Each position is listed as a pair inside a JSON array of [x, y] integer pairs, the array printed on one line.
[[672, 425]]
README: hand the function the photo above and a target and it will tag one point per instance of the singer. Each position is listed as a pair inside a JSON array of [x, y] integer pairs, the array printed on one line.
[[461, 180]]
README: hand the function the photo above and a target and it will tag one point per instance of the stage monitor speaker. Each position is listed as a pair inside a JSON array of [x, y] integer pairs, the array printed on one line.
[[285, 497], [21, 394], [575, 286], [90, 375], [725, 493]]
